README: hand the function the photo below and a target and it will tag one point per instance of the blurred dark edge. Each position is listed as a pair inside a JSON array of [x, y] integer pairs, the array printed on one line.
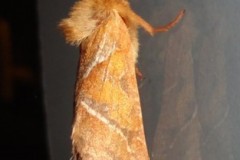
[[22, 116]]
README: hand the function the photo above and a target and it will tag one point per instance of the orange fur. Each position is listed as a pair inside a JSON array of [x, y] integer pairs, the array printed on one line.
[[87, 15], [108, 122]]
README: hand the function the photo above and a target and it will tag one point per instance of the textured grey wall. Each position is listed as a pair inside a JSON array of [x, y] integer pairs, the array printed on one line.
[[59, 64], [190, 95]]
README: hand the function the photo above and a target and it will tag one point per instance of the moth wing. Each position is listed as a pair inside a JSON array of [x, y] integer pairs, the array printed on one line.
[[104, 41], [108, 123]]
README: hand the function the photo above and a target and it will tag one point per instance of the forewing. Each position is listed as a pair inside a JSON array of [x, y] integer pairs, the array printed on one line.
[[101, 44]]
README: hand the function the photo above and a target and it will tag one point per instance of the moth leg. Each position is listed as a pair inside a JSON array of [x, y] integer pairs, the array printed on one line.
[[138, 73], [145, 25], [151, 30], [168, 26]]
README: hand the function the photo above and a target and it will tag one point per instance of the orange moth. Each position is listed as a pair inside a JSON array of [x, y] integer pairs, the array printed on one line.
[[108, 119]]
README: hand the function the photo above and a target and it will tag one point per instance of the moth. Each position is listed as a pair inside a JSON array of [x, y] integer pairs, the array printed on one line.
[[108, 120]]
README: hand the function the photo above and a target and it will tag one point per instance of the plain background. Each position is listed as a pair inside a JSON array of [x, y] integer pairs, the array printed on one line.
[[190, 94], [22, 120]]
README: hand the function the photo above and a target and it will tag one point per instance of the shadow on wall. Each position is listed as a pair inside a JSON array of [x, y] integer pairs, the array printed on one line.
[[198, 83]]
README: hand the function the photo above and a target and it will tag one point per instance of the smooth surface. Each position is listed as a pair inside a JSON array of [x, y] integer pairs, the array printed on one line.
[[59, 65], [190, 94]]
